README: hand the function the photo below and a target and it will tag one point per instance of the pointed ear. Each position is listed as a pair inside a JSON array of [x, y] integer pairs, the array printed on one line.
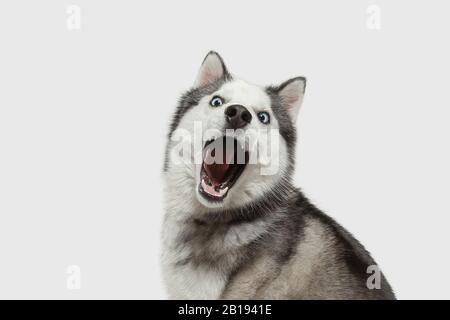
[[291, 93], [213, 68]]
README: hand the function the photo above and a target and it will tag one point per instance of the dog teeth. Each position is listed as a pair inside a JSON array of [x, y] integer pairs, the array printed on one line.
[[213, 191]]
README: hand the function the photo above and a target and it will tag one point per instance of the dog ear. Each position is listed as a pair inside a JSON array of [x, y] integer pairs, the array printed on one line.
[[291, 93], [213, 68]]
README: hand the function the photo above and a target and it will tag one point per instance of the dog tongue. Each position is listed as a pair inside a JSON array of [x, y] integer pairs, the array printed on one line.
[[217, 158]]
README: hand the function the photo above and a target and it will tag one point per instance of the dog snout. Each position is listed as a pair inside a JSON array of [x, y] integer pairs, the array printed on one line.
[[237, 116]]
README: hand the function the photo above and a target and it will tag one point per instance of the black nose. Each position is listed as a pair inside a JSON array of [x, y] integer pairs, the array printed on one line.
[[237, 116]]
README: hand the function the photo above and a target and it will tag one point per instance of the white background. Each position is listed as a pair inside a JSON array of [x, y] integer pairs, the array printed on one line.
[[84, 114]]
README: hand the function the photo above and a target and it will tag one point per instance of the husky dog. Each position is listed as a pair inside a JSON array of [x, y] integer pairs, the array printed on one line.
[[233, 231]]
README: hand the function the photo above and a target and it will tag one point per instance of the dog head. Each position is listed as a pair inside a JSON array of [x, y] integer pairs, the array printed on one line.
[[231, 142]]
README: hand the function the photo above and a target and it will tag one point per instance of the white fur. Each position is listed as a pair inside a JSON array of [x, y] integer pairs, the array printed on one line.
[[183, 199], [186, 281], [194, 282], [251, 184]]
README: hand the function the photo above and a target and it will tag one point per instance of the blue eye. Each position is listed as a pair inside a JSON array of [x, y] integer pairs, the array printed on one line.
[[216, 101], [264, 117]]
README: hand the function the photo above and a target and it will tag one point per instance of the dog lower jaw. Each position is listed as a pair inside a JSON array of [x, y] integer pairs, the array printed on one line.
[[209, 202], [210, 192]]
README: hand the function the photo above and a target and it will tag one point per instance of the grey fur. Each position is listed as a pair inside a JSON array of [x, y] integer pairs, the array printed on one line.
[[295, 251]]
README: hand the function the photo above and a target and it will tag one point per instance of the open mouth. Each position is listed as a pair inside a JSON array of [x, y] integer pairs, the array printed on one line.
[[224, 160]]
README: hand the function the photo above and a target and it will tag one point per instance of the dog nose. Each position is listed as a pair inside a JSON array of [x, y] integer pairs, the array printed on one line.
[[237, 116]]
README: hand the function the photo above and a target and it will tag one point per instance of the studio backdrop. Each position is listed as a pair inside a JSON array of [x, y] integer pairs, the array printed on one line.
[[88, 90]]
